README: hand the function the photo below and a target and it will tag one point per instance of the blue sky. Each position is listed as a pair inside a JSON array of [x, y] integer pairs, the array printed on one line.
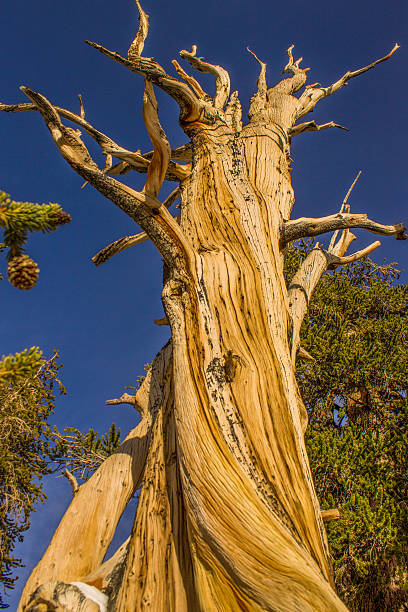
[[101, 319]]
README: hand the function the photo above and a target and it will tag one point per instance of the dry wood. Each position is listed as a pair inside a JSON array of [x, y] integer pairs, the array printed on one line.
[[86, 530], [228, 518], [330, 515]]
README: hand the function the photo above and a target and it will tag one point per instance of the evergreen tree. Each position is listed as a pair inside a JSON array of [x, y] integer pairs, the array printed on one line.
[[26, 402], [357, 440], [26, 391]]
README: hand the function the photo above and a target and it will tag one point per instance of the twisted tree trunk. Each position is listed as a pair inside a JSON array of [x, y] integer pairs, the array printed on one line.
[[228, 518]]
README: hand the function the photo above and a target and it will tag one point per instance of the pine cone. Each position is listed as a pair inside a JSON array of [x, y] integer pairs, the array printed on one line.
[[61, 218], [22, 272]]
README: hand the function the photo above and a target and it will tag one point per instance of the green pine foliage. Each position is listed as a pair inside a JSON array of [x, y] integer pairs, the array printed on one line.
[[18, 219], [81, 453], [357, 439], [27, 397]]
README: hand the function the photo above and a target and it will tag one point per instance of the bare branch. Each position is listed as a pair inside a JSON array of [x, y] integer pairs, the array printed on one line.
[[221, 75], [136, 48], [261, 83], [293, 84], [194, 84], [303, 354], [309, 226], [162, 321], [131, 160], [189, 104], [128, 241], [146, 210], [334, 260], [312, 96], [73, 481], [330, 515], [183, 153], [105, 142], [125, 398], [312, 126], [344, 208], [118, 246], [81, 106], [161, 156]]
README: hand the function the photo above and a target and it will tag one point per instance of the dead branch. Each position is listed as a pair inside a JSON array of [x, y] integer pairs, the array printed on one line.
[[311, 96], [162, 321], [72, 480], [194, 84], [118, 246], [330, 515], [149, 68], [145, 209], [81, 106], [312, 126], [315, 264], [222, 78], [333, 260], [303, 354], [309, 226], [127, 241], [344, 208], [161, 156], [293, 84], [136, 48], [262, 87], [125, 398]]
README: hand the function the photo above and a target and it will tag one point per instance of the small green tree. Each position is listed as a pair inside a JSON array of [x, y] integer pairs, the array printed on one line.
[[357, 439]]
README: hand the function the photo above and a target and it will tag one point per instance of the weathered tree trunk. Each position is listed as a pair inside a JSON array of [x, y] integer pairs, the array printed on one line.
[[228, 518]]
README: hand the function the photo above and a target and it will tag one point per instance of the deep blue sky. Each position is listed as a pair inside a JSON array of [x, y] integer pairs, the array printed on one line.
[[101, 319]]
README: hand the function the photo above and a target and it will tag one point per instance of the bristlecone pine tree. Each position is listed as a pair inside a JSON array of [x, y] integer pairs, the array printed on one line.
[[228, 518]]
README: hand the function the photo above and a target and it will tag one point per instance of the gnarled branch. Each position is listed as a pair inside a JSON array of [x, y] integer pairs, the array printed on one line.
[[221, 75], [293, 84], [75, 550], [309, 226], [194, 84], [136, 48], [127, 241], [161, 155], [149, 68], [312, 126], [145, 209], [312, 96], [130, 160]]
